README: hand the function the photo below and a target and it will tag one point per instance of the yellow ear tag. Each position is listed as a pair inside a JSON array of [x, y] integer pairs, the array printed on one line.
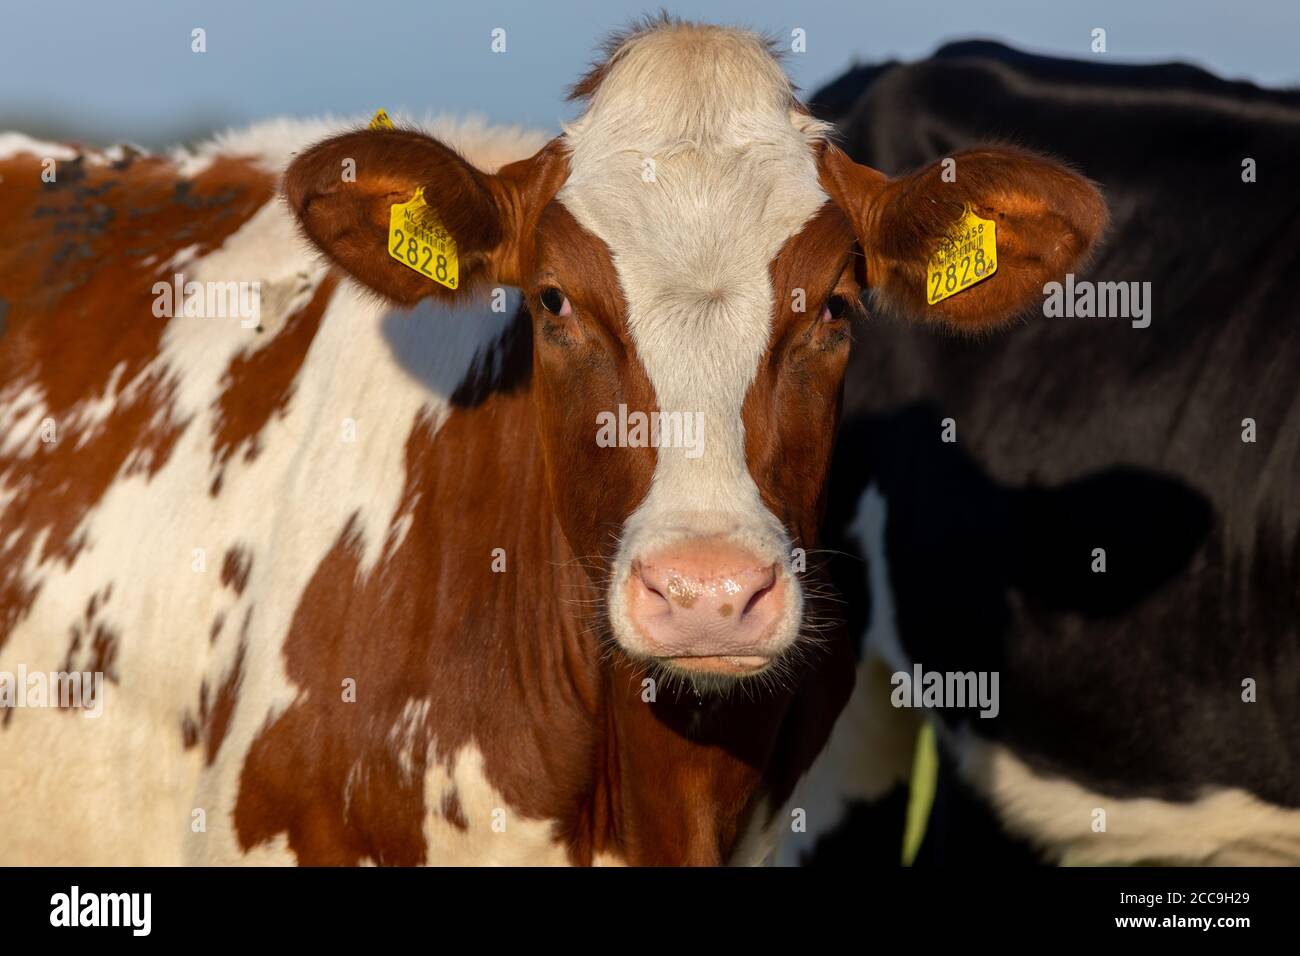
[[380, 120], [418, 241], [967, 255]]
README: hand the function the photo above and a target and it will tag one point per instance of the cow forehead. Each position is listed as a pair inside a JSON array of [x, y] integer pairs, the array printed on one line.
[[696, 227], [694, 164]]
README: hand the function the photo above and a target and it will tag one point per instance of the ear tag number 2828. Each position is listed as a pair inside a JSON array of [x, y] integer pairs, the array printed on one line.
[[417, 241], [967, 255]]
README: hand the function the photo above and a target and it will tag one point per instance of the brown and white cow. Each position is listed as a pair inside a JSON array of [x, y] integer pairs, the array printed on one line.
[[363, 583]]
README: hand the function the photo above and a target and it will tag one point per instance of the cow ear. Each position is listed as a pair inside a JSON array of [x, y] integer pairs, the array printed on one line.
[[490, 217], [1047, 220]]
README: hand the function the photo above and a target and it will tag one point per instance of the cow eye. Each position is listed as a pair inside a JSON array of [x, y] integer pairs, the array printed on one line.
[[836, 307], [555, 302]]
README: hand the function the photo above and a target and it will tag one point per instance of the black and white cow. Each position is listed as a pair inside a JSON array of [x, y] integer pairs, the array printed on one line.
[[1147, 712]]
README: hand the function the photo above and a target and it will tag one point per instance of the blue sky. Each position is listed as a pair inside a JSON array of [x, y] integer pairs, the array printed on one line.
[[105, 70]]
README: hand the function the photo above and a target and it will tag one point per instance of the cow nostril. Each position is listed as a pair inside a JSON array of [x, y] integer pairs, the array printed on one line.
[[762, 591], [639, 572]]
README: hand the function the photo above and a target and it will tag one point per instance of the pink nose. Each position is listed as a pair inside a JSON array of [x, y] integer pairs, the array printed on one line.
[[707, 605]]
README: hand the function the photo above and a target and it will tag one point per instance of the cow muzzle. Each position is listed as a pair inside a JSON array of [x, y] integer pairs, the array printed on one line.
[[709, 606]]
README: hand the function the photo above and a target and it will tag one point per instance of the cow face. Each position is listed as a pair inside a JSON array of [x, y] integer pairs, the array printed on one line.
[[691, 250]]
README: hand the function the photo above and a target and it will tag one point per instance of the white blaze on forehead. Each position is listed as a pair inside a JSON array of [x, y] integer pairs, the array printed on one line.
[[694, 168]]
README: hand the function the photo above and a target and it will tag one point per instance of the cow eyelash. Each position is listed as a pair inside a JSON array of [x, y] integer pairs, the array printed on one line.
[[554, 301]]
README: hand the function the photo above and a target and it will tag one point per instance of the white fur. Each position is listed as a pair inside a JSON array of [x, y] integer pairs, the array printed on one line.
[[1223, 826], [734, 177], [273, 143], [16, 144], [494, 835]]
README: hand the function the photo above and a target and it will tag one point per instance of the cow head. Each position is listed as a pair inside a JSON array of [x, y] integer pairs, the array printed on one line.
[[692, 250]]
